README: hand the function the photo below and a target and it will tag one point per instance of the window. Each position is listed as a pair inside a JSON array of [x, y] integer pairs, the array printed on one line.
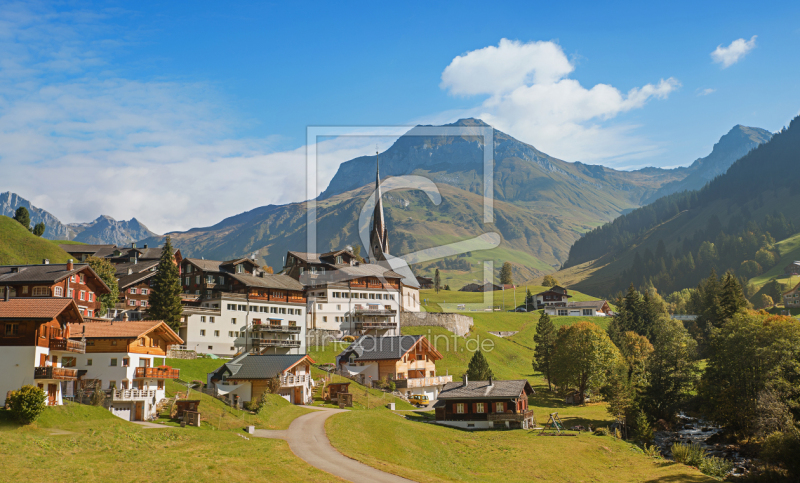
[[57, 291], [112, 384], [242, 334], [372, 295], [41, 291], [233, 321], [197, 280], [91, 296], [197, 292], [188, 269], [420, 357], [231, 306], [210, 279], [145, 291], [83, 295], [338, 307], [88, 362], [221, 279], [324, 318], [89, 312], [459, 408], [126, 362], [12, 330], [480, 407], [69, 292], [132, 303], [72, 278], [24, 289], [319, 306], [243, 308], [210, 347], [132, 291], [562, 312], [274, 310], [498, 407], [587, 311], [187, 281], [114, 362], [202, 333], [283, 310], [202, 318], [144, 303], [239, 268], [336, 319], [216, 333], [160, 385], [211, 319], [298, 312], [231, 334]]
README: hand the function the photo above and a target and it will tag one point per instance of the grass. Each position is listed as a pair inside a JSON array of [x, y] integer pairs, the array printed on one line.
[[448, 300], [195, 369], [426, 452], [19, 246], [76, 443], [789, 250]]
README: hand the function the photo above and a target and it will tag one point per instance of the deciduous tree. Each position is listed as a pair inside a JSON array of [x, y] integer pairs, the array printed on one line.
[[583, 357], [549, 281], [506, 274], [107, 273]]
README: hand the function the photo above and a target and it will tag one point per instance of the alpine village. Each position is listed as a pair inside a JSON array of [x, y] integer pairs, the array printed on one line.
[[456, 305]]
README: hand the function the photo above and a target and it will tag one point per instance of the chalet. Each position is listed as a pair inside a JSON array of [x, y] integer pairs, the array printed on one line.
[[554, 297], [791, 299], [82, 252], [792, 269], [486, 287], [36, 348], [425, 282], [263, 313], [210, 277], [134, 280], [485, 404], [409, 361], [127, 360], [594, 308], [247, 376], [76, 281]]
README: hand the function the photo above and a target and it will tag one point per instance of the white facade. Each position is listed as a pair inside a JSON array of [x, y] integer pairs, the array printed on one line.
[[573, 312], [19, 363], [411, 302], [339, 308], [223, 326]]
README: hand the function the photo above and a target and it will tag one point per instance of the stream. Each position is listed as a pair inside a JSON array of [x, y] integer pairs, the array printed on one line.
[[693, 430]]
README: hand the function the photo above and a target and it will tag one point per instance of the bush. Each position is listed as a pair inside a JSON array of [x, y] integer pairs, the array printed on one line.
[[27, 403], [688, 454], [601, 432], [98, 396], [652, 451], [716, 467], [782, 448], [348, 338]]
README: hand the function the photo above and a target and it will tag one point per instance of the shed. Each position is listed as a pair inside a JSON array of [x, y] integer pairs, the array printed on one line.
[[336, 388], [184, 405]]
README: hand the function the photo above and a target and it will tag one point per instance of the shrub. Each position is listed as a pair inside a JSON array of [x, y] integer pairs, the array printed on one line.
[[688, 454], [348, 338], [644, 430], [781, 448], [601, 432], [652, 451], [27, 403], [98, 396], [716, 467]]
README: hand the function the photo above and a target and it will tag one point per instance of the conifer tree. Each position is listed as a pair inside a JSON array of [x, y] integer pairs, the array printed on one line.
[[38, 230], [436, 281], [545, 340], [732, 298], [165, 294], [478, 368], [23, 217]]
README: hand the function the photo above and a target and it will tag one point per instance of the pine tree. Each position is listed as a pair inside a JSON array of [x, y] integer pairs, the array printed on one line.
[[38, 230], [506, 276], [732, 298], [23, 217], [545, 340], [165, 294], [478, 368], [436, 281]]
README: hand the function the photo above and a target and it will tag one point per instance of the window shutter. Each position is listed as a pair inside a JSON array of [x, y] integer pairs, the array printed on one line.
[[474, 408]]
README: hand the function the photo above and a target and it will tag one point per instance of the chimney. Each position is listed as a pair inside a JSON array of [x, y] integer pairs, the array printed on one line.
[[70, 266], [465, 380], [125, 317], [145, 246], [46, 261], [8, 293], [133, 245], [130, 271], [490, 381]]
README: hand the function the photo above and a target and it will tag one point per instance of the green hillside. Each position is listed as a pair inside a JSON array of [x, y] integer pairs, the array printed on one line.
[[19, 246]]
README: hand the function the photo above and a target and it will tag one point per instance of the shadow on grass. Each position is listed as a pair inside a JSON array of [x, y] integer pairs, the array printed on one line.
[[680, 478]]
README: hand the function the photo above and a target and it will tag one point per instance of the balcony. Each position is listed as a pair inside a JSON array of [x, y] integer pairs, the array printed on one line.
[[164, 372], [276, 343], [283, 329], [422, 382], [67, 345], [290, 380], [375, 325], [520, 416], [55, 373], [133, 395]]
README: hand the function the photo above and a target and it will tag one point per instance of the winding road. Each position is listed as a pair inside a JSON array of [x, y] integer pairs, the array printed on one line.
[[307, 439]]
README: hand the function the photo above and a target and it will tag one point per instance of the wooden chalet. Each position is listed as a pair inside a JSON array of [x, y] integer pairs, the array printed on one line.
[[485, 404], [555, 296], [247, 377]]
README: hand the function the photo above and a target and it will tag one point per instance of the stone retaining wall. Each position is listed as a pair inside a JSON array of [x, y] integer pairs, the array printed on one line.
[[455, 323], [181, 354]]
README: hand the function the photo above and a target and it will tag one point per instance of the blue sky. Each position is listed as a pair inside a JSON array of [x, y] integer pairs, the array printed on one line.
[[170, 104]]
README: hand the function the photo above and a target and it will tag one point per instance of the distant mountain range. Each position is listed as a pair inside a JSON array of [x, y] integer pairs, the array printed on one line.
[[102, 231], [739, 141], [542, 204]]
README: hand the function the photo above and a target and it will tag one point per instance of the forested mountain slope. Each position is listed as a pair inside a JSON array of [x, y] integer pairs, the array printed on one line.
[[732, 223]]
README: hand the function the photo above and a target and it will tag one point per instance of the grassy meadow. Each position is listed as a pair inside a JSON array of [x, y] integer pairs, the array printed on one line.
[[449, 300], [19, 246]]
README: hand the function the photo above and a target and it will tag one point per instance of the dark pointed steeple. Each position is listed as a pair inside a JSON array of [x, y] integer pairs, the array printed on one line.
[[379, 243]]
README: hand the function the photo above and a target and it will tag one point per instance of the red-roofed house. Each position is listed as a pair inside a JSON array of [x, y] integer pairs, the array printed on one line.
[[36, 349]]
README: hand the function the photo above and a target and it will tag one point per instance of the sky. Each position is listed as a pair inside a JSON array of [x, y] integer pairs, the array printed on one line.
[[183, 113]]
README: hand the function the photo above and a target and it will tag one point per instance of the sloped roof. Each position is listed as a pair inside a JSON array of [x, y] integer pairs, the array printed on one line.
[[134, 278], [96, 250], [205, 265], [252, 366], [283, 282], [36, 307], [121, 269], [44, 273], [587, 304], [371, 348], [482, 389], [132, 329]]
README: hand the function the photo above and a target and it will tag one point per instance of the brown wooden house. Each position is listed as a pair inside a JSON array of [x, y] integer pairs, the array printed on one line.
[[485, 404]]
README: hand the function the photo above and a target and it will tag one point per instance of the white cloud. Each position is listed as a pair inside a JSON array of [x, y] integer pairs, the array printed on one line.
[[705, 92], [531, 97], [733, 53], [79, 139]]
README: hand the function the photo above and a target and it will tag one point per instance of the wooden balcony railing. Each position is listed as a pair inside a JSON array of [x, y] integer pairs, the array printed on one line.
[[68, 345], [285, 329], [520, 416], [276, 343], [291, 380], [422, 381], [164, 372], [133, 394], [375, 325], [55, 373]]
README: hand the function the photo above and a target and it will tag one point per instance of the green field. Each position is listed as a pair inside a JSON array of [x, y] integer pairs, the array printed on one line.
[[789, 250], [504, 300], [18, 246], [195, 369]]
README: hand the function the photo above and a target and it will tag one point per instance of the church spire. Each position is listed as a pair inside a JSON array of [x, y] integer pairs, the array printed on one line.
[[379, 243]]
